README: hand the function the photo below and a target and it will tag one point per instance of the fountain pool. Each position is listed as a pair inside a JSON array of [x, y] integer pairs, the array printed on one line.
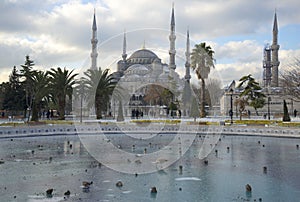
[[29, 166]]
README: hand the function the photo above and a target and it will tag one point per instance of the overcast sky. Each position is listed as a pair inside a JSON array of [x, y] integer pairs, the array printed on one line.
[[57, 33]]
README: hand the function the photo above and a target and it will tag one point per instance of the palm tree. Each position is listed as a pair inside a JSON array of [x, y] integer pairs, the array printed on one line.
[[61, 85], [202, 61], [252, 92], [105, 88], [90, 82], [40, 90]]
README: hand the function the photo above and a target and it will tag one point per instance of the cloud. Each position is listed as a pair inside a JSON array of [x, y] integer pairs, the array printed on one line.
[[58, 32], [287, 58], [245, 51]]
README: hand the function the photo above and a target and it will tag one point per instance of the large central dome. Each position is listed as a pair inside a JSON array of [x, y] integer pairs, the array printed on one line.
[[142, 56]]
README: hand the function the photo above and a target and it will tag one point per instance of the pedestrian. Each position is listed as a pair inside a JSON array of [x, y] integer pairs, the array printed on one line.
[[51, 114], [265, 115], [137, 113], [48, 114], [230, 113], [141, 113], [295, 113]]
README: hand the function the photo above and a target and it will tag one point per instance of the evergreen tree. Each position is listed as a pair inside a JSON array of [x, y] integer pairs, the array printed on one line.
[[286, 116], [14, 94], [252, 92], [27, 82]]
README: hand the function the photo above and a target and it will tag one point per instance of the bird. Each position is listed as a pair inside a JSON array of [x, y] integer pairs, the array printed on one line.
[[49, 192], [153, 190], [119, 184], [86, 185], [67, 193]]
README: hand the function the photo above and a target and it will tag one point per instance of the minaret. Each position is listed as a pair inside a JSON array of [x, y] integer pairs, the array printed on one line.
[[188, 58], [172, 39], [187, 92], [275, 48], [94, 42], [124, 55], [267, 66], [122, 63]]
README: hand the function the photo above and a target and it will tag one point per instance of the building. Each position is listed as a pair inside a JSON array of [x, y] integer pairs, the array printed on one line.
[[271, 85], [144, 68]]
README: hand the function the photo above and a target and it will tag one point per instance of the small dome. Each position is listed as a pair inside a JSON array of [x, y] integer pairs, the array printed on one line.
[[142, 56], [137, 69], [163, 75]]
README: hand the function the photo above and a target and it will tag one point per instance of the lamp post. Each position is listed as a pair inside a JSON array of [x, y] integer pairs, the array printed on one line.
[[114, 108], [231, 112], [81, 99], [236, 106], [269, 99]]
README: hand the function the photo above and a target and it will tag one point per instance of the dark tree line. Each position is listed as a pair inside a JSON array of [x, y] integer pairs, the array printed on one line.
[[30, 92]]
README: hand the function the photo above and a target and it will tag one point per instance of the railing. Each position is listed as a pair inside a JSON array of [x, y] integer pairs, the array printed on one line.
[[94, 129]]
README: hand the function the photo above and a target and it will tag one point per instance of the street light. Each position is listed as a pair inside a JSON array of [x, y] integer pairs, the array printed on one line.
[[236, 106], [114, 108], [81, 100], [269, 99], [230, 111]]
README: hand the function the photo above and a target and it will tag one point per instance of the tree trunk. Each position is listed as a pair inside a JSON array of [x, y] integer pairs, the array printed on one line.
[[35, 112], [286, 116], [120, 112], [202, 107], [98, 108], [61, 108]]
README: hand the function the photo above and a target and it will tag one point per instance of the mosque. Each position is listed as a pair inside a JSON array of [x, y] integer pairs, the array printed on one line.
[[142, 69], [271, 86]]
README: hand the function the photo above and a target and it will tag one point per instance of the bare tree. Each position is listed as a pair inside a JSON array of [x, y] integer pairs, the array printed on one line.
[[215, 91], [198, 93], [289, 77], [241, 104]]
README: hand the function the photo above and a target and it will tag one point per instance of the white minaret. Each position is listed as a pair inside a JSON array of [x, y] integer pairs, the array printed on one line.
[[172, 39], [188, 58], [187, 93], [94, 42], [124, 55], [274, 59]]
